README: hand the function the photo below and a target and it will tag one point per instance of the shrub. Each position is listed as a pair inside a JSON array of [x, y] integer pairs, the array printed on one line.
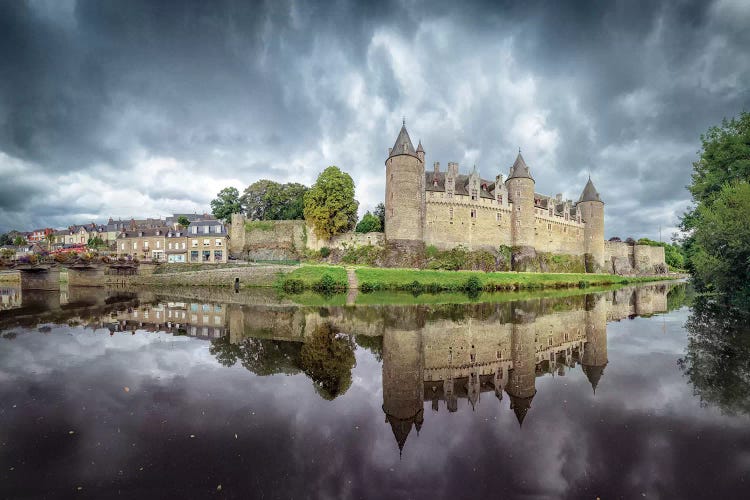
[[366, 287], [325, 252], [327, 284], [293, 286], [473, 285]]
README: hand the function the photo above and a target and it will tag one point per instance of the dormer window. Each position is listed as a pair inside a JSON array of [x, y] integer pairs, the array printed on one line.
[[473, 194], [435, 182]]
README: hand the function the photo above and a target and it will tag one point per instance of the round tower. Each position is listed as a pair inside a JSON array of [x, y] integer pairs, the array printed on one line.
[[520, 186], [404, 191], [592, 214]]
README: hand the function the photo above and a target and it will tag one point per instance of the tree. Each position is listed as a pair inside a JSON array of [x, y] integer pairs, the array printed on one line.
[[380, 214], [6, 239], [19, 241], [50, 240], [368, 224], [183, 221], [330, 205], [721, 257], [269, 200], [95, 242], [226, 203], [724, 160]]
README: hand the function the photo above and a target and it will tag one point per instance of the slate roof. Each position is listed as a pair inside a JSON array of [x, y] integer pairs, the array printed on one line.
[[461, 182], [403, 139], [520, 169], [590, 193]]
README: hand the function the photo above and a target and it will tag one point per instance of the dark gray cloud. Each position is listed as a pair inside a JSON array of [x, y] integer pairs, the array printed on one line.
[[145, 108]]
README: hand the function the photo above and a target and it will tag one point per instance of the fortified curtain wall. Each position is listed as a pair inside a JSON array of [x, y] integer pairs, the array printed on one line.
[[286, 239], [623, 258], [478, 224]]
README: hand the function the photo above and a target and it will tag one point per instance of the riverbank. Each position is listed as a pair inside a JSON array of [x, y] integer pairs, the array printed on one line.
[[334, 278]]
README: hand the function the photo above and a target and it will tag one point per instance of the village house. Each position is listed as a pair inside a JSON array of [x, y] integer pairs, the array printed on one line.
[[40, 234], [207, 241], [144, 244], [176, 250]]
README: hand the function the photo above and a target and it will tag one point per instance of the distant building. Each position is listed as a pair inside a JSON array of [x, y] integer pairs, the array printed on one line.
[[207, 241], [40, 234]]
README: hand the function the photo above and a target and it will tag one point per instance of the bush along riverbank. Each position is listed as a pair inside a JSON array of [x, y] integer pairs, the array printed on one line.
[[331, 279]]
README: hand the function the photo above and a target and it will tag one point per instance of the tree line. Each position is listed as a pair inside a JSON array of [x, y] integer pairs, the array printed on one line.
[[328, 205], [716, 228]]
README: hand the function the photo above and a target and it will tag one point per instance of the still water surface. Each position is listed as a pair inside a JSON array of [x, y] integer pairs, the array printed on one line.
[[621, 394]]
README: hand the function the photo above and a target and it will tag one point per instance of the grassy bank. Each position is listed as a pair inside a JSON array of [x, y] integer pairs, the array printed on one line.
[[409, 279], [386, 279]]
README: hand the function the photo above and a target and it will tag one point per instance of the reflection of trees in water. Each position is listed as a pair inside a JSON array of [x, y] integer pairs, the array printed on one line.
[[372, 343], [717, 361], [327, 358], [678, 296], [260, 356]]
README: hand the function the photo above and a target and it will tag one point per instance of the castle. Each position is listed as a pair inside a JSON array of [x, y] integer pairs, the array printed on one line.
[[446, 209]]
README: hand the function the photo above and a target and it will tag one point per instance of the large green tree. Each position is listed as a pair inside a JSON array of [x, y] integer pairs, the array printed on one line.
[[270, 200], [330, 205], [368, 224], [226, 203], [721, 249], [379, 212], [715, 257]]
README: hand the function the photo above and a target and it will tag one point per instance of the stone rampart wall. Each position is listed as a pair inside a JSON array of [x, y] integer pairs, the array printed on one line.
[[248, 276], [341, 240], [556, 235], [450, 223]]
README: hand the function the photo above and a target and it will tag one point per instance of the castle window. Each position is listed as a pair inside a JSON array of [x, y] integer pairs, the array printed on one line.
[[451, 213], [499, 198], [549, 227], [497, 216], [473, 213], [518, 193], [473, 194], [550, 211]]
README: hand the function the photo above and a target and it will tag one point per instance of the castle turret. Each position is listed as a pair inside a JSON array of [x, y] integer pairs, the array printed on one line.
[[404, 191], [592, 212], [594, 357], [522, 384], [520, 186]]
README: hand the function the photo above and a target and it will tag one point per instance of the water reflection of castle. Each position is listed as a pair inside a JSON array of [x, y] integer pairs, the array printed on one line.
[[501, 351], [439, 354]]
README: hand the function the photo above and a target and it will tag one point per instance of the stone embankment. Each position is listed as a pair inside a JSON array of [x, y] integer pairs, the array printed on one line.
[[246, 276]]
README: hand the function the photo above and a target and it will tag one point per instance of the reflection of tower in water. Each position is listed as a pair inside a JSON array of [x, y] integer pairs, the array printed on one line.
[[402, 382], [521, 386], [594, 357]]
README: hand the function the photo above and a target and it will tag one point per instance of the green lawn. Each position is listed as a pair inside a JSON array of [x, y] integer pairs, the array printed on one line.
[[399, 279], [311, 274]]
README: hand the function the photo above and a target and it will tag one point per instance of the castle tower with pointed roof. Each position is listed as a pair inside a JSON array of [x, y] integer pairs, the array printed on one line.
[[404, 192], [520, 186], [592, 211]]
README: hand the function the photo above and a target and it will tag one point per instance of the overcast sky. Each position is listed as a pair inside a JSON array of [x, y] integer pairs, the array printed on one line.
[[146, 108]]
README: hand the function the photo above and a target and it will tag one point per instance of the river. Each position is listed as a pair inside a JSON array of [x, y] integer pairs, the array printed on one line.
[[622, 393]]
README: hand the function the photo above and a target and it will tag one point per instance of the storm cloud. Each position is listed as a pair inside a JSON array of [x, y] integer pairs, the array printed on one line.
[[147, 108]]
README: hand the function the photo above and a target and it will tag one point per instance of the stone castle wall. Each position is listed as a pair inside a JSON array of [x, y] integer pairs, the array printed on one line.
[[623, 258], [449, 222], [556, 235], [341, 240]]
